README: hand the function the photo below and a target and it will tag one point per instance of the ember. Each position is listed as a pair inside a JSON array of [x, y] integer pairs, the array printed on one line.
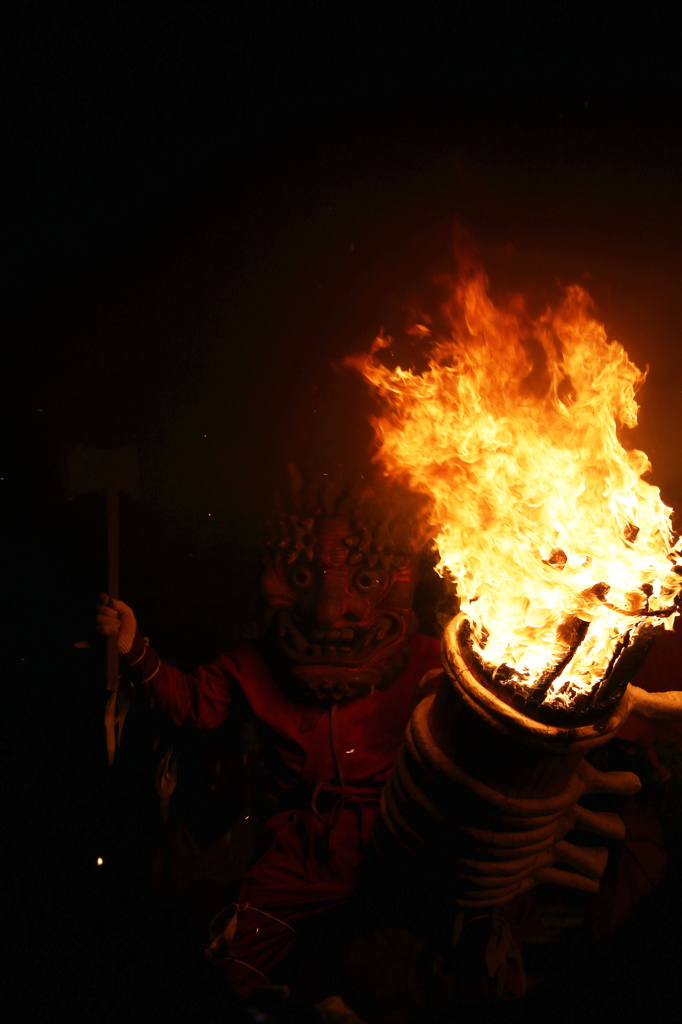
[[564, 556]]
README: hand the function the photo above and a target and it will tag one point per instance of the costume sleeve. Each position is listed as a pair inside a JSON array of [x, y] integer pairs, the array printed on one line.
[[202, 699]]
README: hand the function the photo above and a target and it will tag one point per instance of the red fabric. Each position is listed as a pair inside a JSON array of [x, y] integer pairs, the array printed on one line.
[[333, 762]]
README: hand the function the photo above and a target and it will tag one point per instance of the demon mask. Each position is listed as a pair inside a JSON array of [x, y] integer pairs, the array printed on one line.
[[340, 585]]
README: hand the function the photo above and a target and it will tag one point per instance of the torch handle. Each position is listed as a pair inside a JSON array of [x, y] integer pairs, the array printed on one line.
[[112, 577]]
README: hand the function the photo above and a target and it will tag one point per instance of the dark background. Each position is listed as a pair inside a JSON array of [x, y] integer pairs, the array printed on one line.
[[205, 205], [208, 203]]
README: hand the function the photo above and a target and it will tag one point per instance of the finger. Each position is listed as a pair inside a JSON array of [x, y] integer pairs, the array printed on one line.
[[107, 615], [662, 706], [107, 625], [590, 860], [623, 783], [570, 879], [603, 823], [103, 611]]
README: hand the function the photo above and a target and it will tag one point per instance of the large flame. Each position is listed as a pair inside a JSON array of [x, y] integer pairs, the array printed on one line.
[[545, 519]]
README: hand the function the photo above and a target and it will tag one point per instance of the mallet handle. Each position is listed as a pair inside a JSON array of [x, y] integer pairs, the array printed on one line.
[[112, 556]]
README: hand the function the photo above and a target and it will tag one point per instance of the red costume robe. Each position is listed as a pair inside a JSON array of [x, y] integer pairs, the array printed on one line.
[[333, 761]]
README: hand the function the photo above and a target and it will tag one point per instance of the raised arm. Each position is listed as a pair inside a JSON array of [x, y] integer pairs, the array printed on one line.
[[202, 699]]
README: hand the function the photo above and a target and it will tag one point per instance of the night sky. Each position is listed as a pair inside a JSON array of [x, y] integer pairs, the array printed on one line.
[[207, 204]]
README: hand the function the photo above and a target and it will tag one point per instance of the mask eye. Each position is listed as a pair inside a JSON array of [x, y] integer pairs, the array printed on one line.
[[366, 580], [301, 577]]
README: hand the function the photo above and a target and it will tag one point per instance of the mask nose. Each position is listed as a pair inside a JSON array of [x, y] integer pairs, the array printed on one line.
[[335, 605]]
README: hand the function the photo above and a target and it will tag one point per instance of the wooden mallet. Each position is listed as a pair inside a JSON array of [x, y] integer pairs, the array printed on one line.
[[113, 471]]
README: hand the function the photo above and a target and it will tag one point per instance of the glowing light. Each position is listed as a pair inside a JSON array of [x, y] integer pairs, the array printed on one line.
[[544, 518], [99, 862]]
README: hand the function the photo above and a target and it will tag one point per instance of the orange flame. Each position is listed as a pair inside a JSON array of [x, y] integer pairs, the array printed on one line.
[[511, 430]]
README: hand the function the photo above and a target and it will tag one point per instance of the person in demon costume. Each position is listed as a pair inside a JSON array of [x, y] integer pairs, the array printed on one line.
[[333, 684]]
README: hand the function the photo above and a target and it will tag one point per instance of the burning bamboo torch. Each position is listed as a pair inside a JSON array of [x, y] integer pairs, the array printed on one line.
[[566, 568]]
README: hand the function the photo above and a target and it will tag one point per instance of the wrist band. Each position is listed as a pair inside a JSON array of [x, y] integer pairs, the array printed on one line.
[[137, 661], [153, 673]]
